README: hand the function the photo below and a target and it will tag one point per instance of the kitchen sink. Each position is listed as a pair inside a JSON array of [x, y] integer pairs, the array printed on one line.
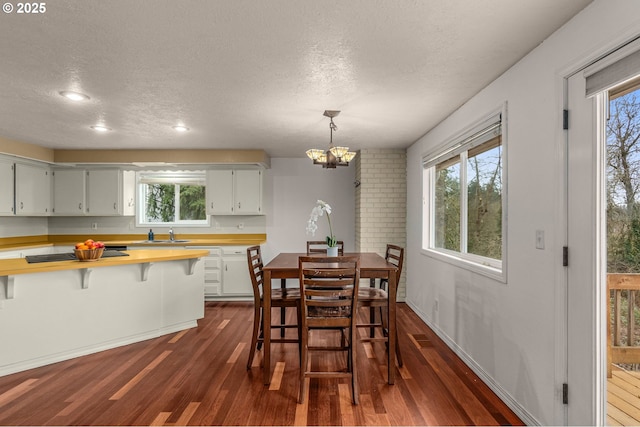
[[162, 241]]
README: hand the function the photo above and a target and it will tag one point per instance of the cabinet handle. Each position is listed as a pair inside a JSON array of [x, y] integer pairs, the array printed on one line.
[[211, 205], [238, 205], [115, 206], [80, 206], [21, 205]]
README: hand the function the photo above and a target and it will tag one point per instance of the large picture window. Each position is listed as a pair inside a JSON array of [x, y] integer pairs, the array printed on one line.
[[464, 198], [172, 198]]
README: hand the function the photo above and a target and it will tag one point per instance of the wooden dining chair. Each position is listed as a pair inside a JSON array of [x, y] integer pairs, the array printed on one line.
[[376, 299], [329, 298], [320, 247], [280, 298]]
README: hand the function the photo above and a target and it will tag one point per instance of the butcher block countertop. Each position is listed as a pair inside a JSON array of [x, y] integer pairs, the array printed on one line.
[[13, 266]]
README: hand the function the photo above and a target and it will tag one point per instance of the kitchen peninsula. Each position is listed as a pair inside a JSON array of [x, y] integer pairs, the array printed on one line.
[[59, 310]]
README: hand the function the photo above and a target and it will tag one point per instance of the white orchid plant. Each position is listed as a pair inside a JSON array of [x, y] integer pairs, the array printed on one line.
[[320, 209]]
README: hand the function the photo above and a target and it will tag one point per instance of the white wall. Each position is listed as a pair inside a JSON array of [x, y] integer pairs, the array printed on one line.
[[292, 187], [508, 332]]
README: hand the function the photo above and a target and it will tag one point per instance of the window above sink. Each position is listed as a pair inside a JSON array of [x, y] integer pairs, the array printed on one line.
[[171, 198]]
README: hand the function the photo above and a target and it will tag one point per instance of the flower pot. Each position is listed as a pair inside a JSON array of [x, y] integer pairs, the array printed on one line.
[[332, 251]]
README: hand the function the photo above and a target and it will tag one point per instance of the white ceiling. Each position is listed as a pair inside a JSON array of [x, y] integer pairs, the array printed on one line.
[[256, 74]]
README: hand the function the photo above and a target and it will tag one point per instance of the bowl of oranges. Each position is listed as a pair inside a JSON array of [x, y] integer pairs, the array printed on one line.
[[89, 250]]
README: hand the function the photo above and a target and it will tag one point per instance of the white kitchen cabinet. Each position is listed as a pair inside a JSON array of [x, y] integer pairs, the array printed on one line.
[[234, 192], [33, 189], [236, 281], [219, 192], [7, 188], [110, 192], [69, 192], [248, 192]]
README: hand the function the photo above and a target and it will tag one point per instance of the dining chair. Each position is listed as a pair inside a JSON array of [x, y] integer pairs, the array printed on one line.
[[376, 299], [320, 247], [280, 298], [329, 298]]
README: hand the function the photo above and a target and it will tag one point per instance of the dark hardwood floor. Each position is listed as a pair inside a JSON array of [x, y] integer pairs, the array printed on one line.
[[199, 377]]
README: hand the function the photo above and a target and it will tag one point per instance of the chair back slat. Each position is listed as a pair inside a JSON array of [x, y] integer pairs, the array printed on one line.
[[254, 259], [320, 247], [329, 290]]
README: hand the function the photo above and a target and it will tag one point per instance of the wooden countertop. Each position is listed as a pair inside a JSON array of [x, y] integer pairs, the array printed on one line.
[[13, 266]]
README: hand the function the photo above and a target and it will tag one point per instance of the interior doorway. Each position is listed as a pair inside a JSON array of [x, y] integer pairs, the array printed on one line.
[[603, 201]]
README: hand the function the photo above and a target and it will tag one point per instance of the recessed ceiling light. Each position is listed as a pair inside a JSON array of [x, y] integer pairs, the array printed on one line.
[[100, 128], [180, 128], [74, 96]]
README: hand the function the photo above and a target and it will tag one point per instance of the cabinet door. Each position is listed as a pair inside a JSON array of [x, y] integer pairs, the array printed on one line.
[[33, 190], [235, 272], [7, 189], [104, 192], [69, 192], [220, 192], [248, 192]]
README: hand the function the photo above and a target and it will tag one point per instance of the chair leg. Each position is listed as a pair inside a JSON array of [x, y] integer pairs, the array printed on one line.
[[254, 335], [303, 365], [283, 315], [385, 331], [352, 362]]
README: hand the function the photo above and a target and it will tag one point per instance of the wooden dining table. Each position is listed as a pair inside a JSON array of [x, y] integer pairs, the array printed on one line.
[[372, 266]]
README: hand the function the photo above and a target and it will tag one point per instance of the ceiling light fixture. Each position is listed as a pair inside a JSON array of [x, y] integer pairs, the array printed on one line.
[[74, 96], [100, 128], [180, 128], [334, 156]]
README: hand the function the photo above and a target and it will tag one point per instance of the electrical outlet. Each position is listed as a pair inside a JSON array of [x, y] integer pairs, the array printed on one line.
[[94, 225], [240, 226], [539, 239]]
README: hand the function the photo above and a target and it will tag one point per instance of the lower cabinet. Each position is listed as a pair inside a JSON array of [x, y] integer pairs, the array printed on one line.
[[235, 272], [226, 274]]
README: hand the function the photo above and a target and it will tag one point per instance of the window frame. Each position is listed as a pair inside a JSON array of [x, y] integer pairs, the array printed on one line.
[[171, 177], [459, 146]]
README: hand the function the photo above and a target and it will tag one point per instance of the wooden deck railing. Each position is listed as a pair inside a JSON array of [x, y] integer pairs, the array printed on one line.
[[617, 351]]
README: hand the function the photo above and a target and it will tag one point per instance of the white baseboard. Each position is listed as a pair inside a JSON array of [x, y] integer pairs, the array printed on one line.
[[513, 404], [67, 355]]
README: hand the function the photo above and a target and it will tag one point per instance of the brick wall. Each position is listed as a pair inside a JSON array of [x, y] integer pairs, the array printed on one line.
[[381, 202]]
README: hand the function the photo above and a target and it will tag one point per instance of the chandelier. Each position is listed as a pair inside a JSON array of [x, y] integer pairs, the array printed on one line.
[[334, 156]]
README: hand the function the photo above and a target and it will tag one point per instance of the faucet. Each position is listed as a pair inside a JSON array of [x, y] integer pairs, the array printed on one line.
[[172, 237]]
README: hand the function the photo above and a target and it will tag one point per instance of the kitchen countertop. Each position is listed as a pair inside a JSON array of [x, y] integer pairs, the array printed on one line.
[[13, 266], [12, 243]]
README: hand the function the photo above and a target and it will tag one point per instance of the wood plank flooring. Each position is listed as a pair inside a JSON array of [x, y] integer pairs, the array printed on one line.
[[623, 398], [199, 377]]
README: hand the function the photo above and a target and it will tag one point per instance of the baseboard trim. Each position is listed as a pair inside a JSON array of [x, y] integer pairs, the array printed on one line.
[[505, 396], [96, 348]]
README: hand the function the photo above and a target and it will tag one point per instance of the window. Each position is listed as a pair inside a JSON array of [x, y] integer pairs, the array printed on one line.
[[172, 198], [463, 199]]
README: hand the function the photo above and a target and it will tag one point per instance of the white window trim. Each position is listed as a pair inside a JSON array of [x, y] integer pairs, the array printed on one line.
[[141, 203], [495, 269]]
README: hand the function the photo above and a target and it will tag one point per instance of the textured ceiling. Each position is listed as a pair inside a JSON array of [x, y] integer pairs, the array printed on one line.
[[256, 74]]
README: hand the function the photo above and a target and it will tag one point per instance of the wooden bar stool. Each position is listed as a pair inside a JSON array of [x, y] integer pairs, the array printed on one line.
[[329, 289], [376, 298], [282, 298]]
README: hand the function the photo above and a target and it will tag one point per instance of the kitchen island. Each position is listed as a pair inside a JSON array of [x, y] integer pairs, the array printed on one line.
[[55, 311]]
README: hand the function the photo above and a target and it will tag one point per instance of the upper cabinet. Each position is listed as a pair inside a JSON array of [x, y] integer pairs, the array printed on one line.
[[110, 192], [33, 190], [234, 192], [69, 192], [6, 189], [104, 192]]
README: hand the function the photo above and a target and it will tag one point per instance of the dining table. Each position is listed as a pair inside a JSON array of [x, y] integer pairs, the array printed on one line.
[[372, 266]]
